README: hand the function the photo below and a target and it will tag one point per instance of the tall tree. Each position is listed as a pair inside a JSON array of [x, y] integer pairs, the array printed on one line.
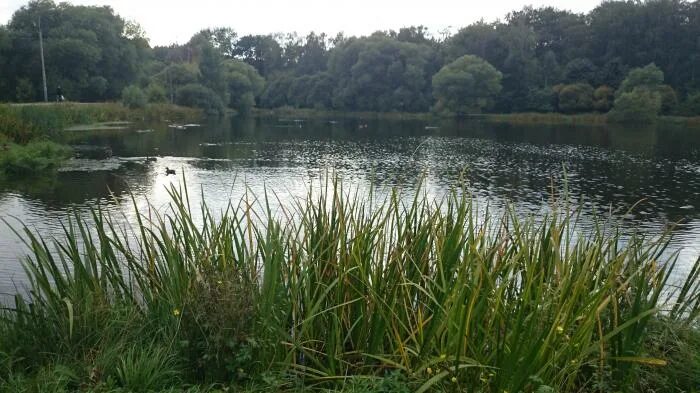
[[466, 85]]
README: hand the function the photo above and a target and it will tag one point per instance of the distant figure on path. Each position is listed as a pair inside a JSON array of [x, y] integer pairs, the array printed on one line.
[[59, 94], [169, 171]]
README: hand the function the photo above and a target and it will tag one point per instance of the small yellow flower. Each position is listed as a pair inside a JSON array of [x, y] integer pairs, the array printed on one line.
[[176, 312], [443, 356], [560, 329], [454, 379], [429, 370]]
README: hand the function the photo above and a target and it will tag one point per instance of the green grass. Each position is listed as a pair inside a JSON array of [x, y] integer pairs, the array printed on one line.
[[23, 123], [548, 118], [336, 292], [306, 113], [32, 158]]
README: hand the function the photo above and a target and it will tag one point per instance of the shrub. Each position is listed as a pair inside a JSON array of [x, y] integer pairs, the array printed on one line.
[[147, 369], [156, 93], [198, 96], [576, 98], [133, 97], [32, 158], [691, 105], [603, 98], [25, 90], [541, 100], [669, 99], [638, 106]]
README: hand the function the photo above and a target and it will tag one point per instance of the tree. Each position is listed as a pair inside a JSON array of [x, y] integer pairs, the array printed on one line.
[[574, 98], [466, 85], [198, 96], [649, 77], [691, 105], [261, 51], [90, 51], [133, 97], [640, 97], [313, 55], [378, 73], [222, 38], [603, 98], [243, 83], [637, 106], [580, 71], [156, 93], [212, 70], [669, 99]]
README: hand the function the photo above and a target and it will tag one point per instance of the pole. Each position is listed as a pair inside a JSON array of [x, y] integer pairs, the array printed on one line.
[[43, 66]]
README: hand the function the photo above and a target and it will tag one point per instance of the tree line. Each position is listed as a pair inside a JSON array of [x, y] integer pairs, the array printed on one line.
[[622, 55]]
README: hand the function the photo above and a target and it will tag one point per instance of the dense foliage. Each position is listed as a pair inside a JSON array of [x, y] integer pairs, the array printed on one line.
[[467, 85], [333, 292], [549, 59]]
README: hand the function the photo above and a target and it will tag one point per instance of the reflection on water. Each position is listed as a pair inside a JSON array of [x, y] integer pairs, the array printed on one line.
[[606, 169]]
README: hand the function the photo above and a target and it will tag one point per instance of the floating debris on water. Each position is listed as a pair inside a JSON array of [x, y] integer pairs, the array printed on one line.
[[91, 165], [100, 126], [92, 152], [183, 126]]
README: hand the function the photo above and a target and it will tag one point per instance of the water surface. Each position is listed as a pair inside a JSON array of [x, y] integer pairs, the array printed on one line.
[[607, 170]]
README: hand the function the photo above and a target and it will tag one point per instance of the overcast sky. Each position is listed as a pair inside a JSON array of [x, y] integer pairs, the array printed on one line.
[[168, 21]]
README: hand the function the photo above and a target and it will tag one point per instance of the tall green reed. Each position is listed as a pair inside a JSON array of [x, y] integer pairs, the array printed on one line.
[[337, 284]]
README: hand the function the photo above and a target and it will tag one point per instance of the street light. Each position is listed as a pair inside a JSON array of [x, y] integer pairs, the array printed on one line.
[[43, 66]]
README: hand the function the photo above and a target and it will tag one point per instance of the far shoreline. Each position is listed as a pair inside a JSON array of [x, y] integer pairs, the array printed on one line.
[[523, 118]]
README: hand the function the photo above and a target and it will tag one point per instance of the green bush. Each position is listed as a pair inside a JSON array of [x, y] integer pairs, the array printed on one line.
[[147, 368], [669, 99], [575, 98], [691, 105], [156, 94], [641, 105], [198, 96], [35, 157], [25, 90], [133, 97], [603, 98]]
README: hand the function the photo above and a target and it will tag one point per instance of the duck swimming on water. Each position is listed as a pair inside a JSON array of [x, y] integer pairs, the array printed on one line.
[[169, 171]]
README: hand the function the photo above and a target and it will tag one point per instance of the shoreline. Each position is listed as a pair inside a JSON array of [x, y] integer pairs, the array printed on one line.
[[550, 118]]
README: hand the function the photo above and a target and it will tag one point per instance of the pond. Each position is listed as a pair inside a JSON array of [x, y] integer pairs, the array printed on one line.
[[607, 170]]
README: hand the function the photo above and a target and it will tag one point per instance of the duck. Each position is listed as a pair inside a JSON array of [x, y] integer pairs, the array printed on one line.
[[169, 171]]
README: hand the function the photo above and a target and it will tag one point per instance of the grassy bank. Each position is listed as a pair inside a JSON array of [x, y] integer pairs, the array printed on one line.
[[332, 293], [304, 113], [22, 123], [530, 118], [594, 119], [29, 133]]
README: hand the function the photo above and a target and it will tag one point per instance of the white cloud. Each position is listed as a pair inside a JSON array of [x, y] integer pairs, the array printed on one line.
[[167, 21]]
